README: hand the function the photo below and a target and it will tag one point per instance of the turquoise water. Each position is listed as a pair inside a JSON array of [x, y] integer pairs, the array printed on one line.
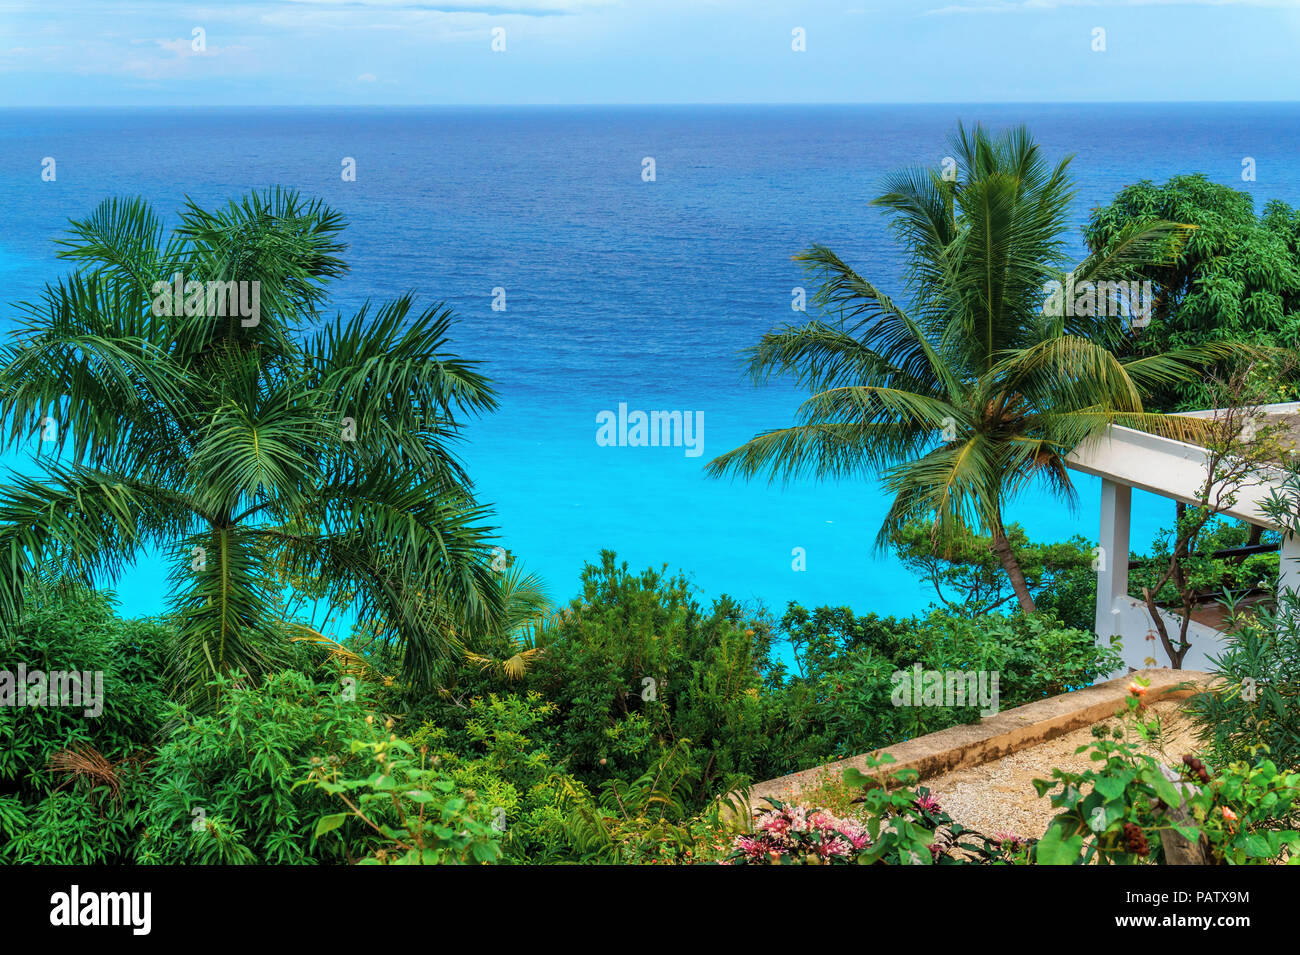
[[618, 290]]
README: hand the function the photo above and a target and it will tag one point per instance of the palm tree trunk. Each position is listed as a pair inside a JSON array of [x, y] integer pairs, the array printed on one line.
[[1002, 547]]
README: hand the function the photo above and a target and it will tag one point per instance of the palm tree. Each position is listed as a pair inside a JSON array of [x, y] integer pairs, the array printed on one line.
[[962, 399], [525, 628], [248, 447]]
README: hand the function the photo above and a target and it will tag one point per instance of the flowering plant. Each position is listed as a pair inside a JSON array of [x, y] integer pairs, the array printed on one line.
[[900, 826], [786, 834]]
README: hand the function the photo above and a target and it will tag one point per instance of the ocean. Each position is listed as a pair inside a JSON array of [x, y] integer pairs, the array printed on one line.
[[618, 290]]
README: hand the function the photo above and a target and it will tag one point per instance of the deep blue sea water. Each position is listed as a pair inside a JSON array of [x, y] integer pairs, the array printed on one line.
[[618, 290]]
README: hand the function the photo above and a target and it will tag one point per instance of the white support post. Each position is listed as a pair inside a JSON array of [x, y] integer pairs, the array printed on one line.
[[1288, 570], [1112, 558]]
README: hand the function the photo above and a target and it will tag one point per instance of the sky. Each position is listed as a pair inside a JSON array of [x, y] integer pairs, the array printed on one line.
[[478, 52]]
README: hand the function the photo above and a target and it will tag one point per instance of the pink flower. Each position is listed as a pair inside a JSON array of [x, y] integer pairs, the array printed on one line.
[[753, 848], [858, 839], [927, 803], [800, 830], [834, 847]]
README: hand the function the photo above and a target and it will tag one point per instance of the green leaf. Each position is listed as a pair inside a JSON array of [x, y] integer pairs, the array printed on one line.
[[1052, 849], [1041, 786], [1257, 846], [1165, 790], [1112, 787], [329, 823], [856, 779]]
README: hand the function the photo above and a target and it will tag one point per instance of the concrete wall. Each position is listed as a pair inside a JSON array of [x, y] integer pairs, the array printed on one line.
[[993, 737]]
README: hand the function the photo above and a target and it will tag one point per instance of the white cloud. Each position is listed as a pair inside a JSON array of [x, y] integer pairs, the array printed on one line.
[[179, 57], [366, 78]]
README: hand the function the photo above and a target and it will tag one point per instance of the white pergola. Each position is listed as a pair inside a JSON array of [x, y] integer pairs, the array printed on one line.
[[1125, 459]]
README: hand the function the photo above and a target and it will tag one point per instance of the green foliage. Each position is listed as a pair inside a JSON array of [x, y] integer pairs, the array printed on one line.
[[417, 814], [69, 828], [1254, 705], [71, 628], [848, 666], [637, 664], [503, 758], [222, 785], [967, 576], [1212, 576], [648, 819], [84, 811], [907, 825], [1235, 279], [1114, 814]]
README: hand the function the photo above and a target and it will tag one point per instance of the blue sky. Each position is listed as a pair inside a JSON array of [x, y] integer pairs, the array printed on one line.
[[140, 52]]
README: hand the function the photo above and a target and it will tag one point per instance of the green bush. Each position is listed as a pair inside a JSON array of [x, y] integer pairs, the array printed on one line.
[[222, 787], [638, 664], [1116, 811], [83, 807], [71, 628], [1255, 705], [848, 666], [504, 759], [410, 813]]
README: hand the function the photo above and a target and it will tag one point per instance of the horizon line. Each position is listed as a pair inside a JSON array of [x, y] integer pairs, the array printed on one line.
[[645, 105]]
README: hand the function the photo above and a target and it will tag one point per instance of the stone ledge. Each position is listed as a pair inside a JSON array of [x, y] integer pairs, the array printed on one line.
[[997, 736]]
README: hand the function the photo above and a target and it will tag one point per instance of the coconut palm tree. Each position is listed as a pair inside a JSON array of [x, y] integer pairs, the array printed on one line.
[[976, 388], [248, 444]]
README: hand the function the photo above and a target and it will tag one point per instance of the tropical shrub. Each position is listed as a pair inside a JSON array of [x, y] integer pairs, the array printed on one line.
[[503, 759], [71, 783], [637, 664], [649, 820], [1115, 812], [851, 662], [415, 813], [66, 627], [1254, 705], [222, 786]]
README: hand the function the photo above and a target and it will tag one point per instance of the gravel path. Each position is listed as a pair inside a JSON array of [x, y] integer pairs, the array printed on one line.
[[1000, 796]]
